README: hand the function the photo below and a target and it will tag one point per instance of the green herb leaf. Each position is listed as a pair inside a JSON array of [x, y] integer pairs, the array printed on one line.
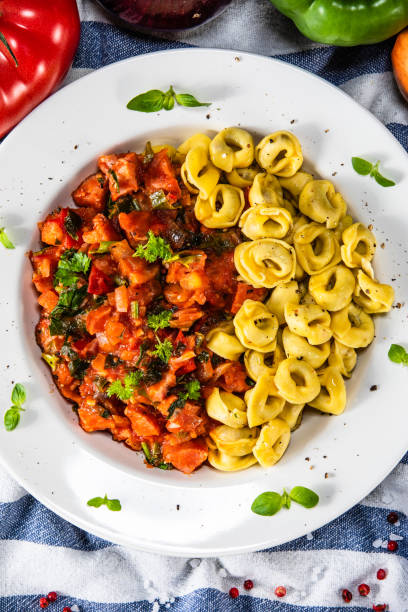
[[158, 199], [148, 153], [104, 247], [5, 240], [398, 354], [168, 102], [155, 248], [70, 265], [267, 504], [153, 457], [115, 178], [186, 99], [11, 418], [149, 102], [52, 360], [125, 390], [3, 39], [304, 496], [163, 350], [18, 395], [72, 223], [361, 166], [159, 321], [69, 304], [193, 389], [134, 309], [112, 504], [286, 501], [381, 180]]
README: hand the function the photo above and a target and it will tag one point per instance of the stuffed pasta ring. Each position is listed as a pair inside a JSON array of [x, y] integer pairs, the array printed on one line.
[[231, 148], [256, 327], [272, 442], [279, 153], [265, 222], [222, 208], [265, 262]]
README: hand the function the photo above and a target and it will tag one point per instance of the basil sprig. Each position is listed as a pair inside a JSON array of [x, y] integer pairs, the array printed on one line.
[[112, 504], [270, 502], [155, 100], [398, 354], [364, 167], [12, 416]]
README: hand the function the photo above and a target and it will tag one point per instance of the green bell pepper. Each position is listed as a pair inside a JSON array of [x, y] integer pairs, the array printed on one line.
[[346, 22]]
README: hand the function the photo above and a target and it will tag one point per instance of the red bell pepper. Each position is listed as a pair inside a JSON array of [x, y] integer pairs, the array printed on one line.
[[43, 36], [99, 283]]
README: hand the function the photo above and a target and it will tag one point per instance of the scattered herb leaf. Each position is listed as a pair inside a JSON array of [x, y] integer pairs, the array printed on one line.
[[163, 350], [18, 395], [5, 240], [11, 418], [364, 167], [267, 504], [155, 248], [270, 502], [304, 496], [112, 504], [69, 304], [160, 320], [398, 354], [72, 223], [154, 100], [12, 415]]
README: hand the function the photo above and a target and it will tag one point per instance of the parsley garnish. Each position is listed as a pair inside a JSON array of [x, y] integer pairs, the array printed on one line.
[[70, 265], [112, 504], [155, 248], [69, 304], [192, 391], [12, 415], [159, 321], [126, 390], [72, 223], [163, 350]]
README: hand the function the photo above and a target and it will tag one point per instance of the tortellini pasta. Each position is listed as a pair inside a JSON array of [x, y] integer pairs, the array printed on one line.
[[223, 342], [222, 208], [317, 248], [198, 173], [265, 262], [256, 327], [319, 201], [333, 288], [263, 401], [352, 326], [272, 442], [299, 347], [372, 296], [300, 342], [226, 408], [265, 222], [310, 321], [279, 153], [332, 396], [287, 293], [297, 381], [358, 246], [232, 148], [266, 190]]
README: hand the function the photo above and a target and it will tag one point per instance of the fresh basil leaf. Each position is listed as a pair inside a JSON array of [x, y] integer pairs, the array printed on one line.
[[381, 180], [361, 166], [18, 395], [72, 223], [185, 99], [267, 504], [398, 354], [149, 102], [168, 102], [304, 496], [114, 505], [3, 39], [11, 418], [5, 240], [286, 501], [96, 502]]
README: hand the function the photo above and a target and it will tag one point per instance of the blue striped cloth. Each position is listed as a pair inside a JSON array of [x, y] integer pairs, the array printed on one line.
[[40, 552]]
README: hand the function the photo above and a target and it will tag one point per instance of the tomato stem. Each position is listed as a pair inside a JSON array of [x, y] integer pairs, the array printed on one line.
[[3, 39]]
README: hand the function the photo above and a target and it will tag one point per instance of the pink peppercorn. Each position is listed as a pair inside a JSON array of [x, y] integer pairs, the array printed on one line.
[[280, 591], [392, 545], [52, 596], [233, 592], [363, 589], [381, 574], [44, 602], [392, 518], [346, 595], [248, 585]]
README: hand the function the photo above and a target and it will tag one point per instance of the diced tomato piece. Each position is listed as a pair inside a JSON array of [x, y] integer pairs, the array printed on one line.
[[160, 174], [231, 377], [123, 178], [48, 300], [120, 250], [99, 283], [114, 331], [186, 456], [97, 319], [106, 162], [121, 428], [63, 374], [143, 423], [51, 232], [137, 270], [90, 417], [158, 391], [137, 223], [42, 284], [102, 231], [189, 419], [184, 318], [121, 299], [92, 192], [189, 366], [98, 363], [246, 292], [144, 294]]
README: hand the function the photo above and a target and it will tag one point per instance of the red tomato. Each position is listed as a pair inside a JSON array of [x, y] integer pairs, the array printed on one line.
[[43, 37], [99, 283]]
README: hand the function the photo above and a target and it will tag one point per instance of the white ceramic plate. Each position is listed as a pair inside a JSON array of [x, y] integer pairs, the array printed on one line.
[[207, 513]]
